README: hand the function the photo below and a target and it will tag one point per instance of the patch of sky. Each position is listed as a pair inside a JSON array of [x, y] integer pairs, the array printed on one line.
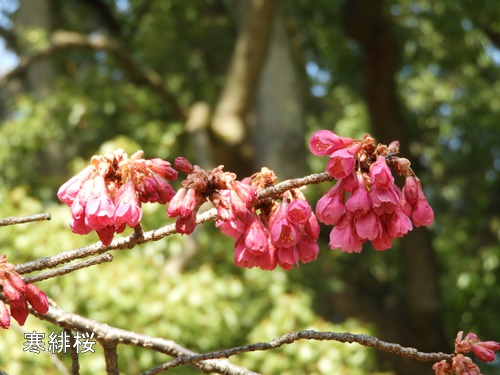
[[466, 24], [445, 110], [122, 6], [493, 53], [396, 10], [320, 77]]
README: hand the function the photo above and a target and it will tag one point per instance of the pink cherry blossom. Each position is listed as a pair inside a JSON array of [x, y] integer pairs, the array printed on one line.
[[398, 224], [359, 202], [380, 173], [343, 236], [4, 316], [99, 210], [256, 236], [288, 257], [127, 206], [325, 142], [69, 190], [299, 211], [341, 164], [368, 226], [330, 206]]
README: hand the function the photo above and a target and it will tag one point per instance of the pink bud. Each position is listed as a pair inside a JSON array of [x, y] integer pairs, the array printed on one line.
[[163, 168], [175, 204], [99, 210], [37, 299], [482, 353], [410, 189], [106, 234], [186, 224], [19, 310], [10, 291], [183, 165], [325, 142], [4, 316], [16, 280], [422, 213]]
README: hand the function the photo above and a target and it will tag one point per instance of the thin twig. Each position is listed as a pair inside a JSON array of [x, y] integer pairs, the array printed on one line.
[[157, 234], [291, 337], [106, 257], [75, 364], [111, 357], [12, 220]]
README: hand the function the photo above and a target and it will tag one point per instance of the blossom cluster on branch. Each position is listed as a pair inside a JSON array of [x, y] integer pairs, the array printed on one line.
[[462, 365], [18, 293], [375, 209]]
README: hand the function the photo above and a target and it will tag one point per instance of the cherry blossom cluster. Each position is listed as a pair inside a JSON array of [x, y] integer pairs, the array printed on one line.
[[18, 293], [365, 204], [272, 233], [462, 365], [229, 196], [107, 195]]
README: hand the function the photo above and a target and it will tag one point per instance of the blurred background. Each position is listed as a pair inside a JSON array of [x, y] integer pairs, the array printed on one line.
[[244, 84]]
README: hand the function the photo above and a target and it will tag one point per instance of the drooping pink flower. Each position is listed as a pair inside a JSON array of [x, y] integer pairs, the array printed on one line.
[[283, 231], [69, 190], [325, 142], [422, 213], [256, 237], [299, 211], [383, 241], [330, 206], [308, 249], [380, 173], [99, 210], [384, 201], [398, 224], [343, 236], [368, 226], [341, 163], [233, 228], [359, 202], [288, 257], [127, 206]]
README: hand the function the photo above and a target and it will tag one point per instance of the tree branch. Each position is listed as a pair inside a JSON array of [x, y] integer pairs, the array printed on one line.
[[11, 220], [106, 257], [61, 40], [289, 338]]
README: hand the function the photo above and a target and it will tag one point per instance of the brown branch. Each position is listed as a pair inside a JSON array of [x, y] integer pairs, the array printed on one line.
[[61, 40], [11, 220], [289, 338], [106, 257], [110, 356], [10, 38], [108, 334], [75, 364], [156, 234]]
